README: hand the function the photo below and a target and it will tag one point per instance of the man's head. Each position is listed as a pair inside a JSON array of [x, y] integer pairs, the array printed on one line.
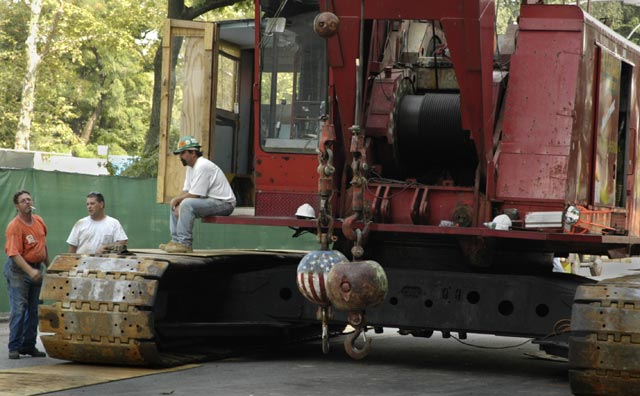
[[189, 150], [95, 205], [23, 202]]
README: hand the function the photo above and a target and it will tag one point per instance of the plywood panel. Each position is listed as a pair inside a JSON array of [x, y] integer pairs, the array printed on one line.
[[56, 377], [191, 107]]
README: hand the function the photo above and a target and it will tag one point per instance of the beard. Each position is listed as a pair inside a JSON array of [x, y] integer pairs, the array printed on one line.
[[184, 163]]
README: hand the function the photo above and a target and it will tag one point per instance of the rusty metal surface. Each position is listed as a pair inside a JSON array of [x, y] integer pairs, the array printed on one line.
[[64, 288], [134, 353], [615, 319], [114, 264], [591, 383], [103, 323], [589, 353], [605, 343], [613, 290], [354, 286], [99, 309]]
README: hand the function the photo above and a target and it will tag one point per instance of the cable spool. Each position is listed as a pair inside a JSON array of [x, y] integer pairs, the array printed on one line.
[[430, 138]]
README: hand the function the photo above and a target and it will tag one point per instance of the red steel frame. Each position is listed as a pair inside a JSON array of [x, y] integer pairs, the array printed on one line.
[[469, 26]]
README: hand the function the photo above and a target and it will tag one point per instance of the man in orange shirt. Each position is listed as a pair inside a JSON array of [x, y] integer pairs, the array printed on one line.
[[26, 248]]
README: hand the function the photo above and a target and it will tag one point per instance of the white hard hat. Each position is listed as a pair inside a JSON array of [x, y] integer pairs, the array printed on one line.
[[503, 222], [305, 211]]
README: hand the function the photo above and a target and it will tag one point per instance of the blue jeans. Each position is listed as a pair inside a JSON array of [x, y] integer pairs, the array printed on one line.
[[190, 208], [23, 299]]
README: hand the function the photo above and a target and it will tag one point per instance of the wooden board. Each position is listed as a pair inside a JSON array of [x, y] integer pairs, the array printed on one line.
[[56, 377], [195, 105]]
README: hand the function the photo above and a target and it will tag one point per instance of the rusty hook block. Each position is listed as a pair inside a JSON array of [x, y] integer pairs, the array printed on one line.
[[351, 348]]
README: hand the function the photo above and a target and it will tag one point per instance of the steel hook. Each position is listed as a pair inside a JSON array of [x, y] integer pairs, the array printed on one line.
[[351, 348]]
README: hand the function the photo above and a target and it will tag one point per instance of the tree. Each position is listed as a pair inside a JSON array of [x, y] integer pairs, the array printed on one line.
[[94, 86], [34, 58], [620, 16], [112, 61], [95, 78]]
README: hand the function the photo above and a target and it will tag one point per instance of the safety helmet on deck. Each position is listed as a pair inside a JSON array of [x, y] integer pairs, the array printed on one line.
[[187, 143], [305, 211]]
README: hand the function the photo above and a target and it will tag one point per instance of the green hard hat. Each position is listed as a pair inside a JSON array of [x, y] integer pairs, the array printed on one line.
[[187, 143]]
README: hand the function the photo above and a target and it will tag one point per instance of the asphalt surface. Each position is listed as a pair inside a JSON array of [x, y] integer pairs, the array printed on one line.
[[398, 365]]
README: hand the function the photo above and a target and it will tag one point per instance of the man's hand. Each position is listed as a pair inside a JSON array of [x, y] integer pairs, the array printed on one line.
[[176, 210], [35, 275], [175, 202]]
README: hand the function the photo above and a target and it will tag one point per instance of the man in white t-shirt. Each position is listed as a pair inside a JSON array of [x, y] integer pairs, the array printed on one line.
[[206, 192], [97, 233]]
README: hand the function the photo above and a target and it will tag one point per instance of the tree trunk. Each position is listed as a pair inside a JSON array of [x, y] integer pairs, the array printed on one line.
[[151, 140], [175, 9], [29, 82], [91, 122], [23, 134]]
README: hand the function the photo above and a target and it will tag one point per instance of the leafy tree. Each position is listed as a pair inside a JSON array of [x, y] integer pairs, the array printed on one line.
[[115, 69], [13, 35], [34, 57], [621, 17], [95, 85]]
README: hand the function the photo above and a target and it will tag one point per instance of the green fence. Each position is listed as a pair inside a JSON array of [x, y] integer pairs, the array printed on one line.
[[60, 199]]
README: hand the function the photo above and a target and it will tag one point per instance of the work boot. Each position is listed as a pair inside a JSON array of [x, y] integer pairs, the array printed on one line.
[[14, 355], [178, 248], [33, 352], [163, 246]]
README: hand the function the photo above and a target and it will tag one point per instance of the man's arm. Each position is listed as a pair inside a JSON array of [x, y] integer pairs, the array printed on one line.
[[74, 237], [46, 260], [34, 274], [175, 202]]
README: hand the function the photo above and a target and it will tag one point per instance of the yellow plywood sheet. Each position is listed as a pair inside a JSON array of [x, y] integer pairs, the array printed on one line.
[[56, 377], [220, 252]]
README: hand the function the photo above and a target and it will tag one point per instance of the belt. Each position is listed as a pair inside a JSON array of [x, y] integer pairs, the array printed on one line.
[[35, 265]]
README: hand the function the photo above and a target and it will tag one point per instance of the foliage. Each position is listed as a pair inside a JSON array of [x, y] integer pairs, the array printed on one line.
[[145, 166], [99, 66], [14, 20], [621, 17], [241, 10]]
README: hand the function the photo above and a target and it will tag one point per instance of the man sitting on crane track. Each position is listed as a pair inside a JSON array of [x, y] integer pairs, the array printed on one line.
[[206, 192], [97, 233]]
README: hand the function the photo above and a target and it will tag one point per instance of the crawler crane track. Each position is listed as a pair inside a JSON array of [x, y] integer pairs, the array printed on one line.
[[100, 309], [604, 350], [161, 309]]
